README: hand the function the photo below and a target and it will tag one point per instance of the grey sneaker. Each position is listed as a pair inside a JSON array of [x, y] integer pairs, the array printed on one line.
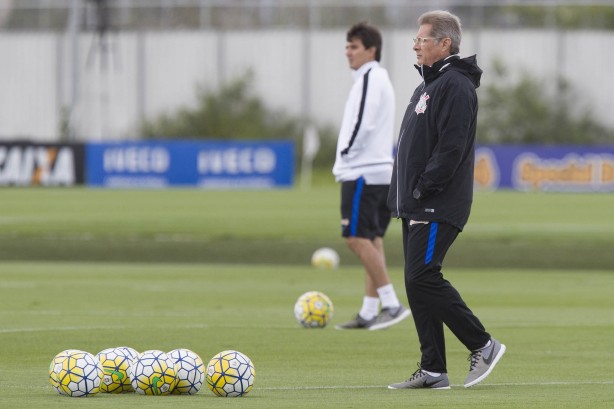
[[483, 361], [357, 323], [388, 317], [422, 380]]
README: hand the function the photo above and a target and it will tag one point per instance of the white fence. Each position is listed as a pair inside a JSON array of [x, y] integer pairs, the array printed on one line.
[[103, 90]]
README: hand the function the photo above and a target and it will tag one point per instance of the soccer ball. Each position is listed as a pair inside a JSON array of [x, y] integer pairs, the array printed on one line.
[[76, 373], [153, 373], [115, 365], [56, 365], [313, 309], [230, 373], [325, 258], [129, 352], [190, 371]]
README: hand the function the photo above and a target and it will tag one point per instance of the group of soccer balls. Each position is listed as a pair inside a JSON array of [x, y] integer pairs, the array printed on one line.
[[78, 373], [314, 309], [230, 373]]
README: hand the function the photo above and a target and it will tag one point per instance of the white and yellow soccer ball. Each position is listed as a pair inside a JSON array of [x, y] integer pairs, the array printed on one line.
[[313, 309], [129, 352], [75, 373], [230, 374], [190, 371], [325, 258], [115, 366], [152, 372], [56, 365]]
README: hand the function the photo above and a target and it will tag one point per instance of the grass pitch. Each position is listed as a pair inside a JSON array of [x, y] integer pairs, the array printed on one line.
[[213, 270], [550, 231], [557, 327]]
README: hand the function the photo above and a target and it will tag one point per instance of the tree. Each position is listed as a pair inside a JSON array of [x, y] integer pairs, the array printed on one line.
[[233, 112], [526, 112]]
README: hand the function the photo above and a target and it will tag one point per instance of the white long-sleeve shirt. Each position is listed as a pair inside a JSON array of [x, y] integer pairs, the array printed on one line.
[[366, 138]]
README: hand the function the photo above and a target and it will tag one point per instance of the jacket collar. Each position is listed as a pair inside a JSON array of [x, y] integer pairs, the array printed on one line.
[[430, 73], [356, 74]]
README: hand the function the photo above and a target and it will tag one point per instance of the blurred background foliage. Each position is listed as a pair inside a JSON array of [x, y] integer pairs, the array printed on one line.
[[518, 112], [528, 112], [521, 112], [235, 112]]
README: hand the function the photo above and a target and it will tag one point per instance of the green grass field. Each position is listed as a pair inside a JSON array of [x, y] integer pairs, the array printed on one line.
[[550, 231], [208, 271]]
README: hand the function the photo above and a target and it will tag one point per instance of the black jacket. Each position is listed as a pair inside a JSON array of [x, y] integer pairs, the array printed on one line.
[[432, 178]]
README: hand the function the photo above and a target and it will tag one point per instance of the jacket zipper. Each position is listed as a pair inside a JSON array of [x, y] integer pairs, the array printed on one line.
[[398, 150], [399, 144]]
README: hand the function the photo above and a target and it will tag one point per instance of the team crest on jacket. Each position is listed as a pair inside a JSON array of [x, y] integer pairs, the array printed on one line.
[[421, 105]]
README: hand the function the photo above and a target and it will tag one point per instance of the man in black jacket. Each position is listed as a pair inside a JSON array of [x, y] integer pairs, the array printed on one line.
[[431, 191]]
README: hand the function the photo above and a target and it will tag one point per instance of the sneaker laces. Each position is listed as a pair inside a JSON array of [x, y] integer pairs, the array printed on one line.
[[474, 359], [419, 372]]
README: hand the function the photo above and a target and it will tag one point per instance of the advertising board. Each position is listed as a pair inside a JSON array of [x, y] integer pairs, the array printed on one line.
[[41, 164], [204, 164]]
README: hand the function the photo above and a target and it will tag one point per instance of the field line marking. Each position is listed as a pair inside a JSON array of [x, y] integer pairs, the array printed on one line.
[[110, 327], [553, 383], [459, 386], [43, 329]]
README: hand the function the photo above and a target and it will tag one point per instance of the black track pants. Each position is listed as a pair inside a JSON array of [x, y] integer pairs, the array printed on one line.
[[432, 299]]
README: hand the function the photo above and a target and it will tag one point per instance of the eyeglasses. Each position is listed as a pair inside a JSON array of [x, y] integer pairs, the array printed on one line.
[[422, 40]]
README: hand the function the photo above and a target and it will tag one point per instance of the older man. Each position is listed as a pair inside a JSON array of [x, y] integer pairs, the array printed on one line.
[[432, 191]]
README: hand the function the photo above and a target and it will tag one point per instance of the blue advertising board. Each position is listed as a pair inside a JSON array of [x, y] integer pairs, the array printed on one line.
[[545, 168], [204, 164], [270, 164]]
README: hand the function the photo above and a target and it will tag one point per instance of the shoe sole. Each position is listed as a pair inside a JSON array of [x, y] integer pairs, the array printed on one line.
[[351, 329], [441, 388], [392, 322], [489, 370]]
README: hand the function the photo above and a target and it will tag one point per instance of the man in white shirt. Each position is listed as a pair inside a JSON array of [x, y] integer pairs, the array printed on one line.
[[363, 166]]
